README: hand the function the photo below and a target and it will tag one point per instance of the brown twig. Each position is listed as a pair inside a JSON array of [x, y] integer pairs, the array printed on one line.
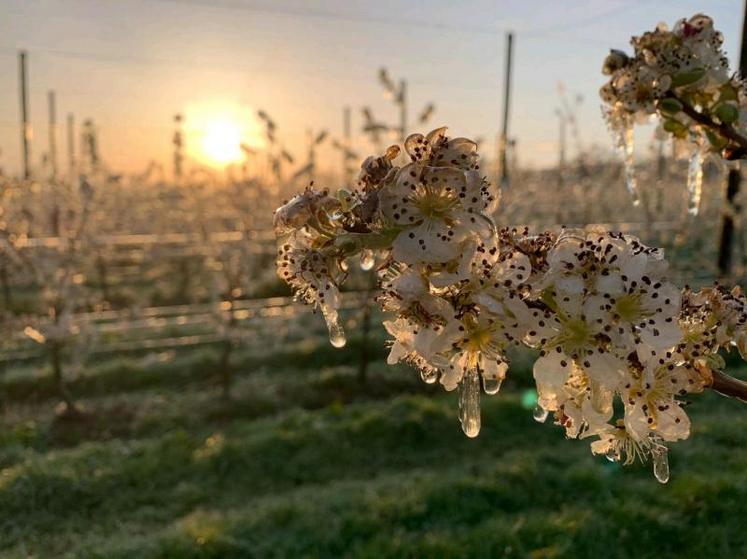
[[729, 386], [726, 130]]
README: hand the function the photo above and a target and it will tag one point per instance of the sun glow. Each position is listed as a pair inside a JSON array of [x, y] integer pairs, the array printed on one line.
[[222, 141], [217, 134]]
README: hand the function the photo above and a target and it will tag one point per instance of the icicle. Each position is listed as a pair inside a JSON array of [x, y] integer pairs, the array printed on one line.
[[627, 145], [336, 333], [368, 259], [694, 182], [540, 414], [429, 376], [661, 463], [492, 385], [469, 404]]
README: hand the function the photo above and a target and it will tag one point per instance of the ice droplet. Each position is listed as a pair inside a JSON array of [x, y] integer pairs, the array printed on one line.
[[368, 259], [336, 333], [469, 404], [492, 385], [628, 148], [612, 455], [694, 182], [540, 414], [661, 464], [429, 376]]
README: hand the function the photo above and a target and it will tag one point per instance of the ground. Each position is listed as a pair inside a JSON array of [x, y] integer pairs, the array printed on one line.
[[307, 461]]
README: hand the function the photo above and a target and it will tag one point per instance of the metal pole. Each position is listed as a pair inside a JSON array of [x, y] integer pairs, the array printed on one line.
[[25, 127], [71, 145], [52, 133], [725, 252], [403, 109], [346, 146], [503, 143], [561, 141]]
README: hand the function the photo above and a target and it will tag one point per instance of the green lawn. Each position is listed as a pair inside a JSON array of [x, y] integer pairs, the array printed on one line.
[[307, 462]]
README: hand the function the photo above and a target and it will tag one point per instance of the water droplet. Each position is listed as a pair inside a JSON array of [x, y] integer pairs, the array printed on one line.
[[627, 146], [694, 182], [661, 463], [429, 376], [469, 404], [336, 333], [612, 455], [540, 414], [368, 259], [492, 385]]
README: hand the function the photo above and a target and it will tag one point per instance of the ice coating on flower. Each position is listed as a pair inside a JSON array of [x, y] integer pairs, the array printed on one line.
[[713, 318], [619, 344], [311, 272], [304, 209], [437, 208], [682, 78]]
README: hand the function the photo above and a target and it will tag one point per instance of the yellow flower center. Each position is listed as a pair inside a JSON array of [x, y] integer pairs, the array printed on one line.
[[628, 308], [575, 335], [434, 204]]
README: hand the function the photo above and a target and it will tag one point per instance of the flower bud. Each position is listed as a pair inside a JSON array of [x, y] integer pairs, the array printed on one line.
[[615, 60]]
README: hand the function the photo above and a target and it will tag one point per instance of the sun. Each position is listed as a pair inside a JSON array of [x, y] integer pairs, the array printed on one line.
[[221, 142], [217, 130]]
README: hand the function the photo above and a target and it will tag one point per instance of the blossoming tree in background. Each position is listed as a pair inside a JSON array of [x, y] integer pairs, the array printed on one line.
[[619, 344]]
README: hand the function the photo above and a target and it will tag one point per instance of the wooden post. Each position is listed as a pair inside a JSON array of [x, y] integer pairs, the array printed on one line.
[[503, 142], [346, 146], [726, 244], [178, 142], [403, 110], [71, 145], [52, 131], [561, 162], [25, 127]]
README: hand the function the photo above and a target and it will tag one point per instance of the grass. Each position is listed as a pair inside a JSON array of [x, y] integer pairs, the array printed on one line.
[[306, 462]]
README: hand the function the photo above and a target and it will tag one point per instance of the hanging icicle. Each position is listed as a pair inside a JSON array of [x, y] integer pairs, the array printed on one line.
[[660, 457], [694, 182], [469, 403], [336, 333], [627, 145]]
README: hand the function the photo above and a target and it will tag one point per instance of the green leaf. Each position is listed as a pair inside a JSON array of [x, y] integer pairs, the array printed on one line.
[[728, 93], [716, 140], [686, 78], [716, 362], [674, 126], [352, 243], [727, 113], [670, 106]]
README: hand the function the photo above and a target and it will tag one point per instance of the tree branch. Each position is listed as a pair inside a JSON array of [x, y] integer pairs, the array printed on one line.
[[725, 130], [729, 386]]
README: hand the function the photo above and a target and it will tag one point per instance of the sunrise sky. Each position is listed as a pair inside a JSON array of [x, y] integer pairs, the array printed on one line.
[[131, 64]]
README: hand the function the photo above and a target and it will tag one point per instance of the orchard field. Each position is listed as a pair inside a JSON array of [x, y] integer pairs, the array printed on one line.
[[307, 456], [264, 342], [309, 461]]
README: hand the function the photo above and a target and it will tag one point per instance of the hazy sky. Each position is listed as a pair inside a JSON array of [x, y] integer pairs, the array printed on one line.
[[131, 64]]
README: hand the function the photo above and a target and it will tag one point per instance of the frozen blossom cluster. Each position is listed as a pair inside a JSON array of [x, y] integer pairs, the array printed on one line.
[[682, 78], [619, 344]]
